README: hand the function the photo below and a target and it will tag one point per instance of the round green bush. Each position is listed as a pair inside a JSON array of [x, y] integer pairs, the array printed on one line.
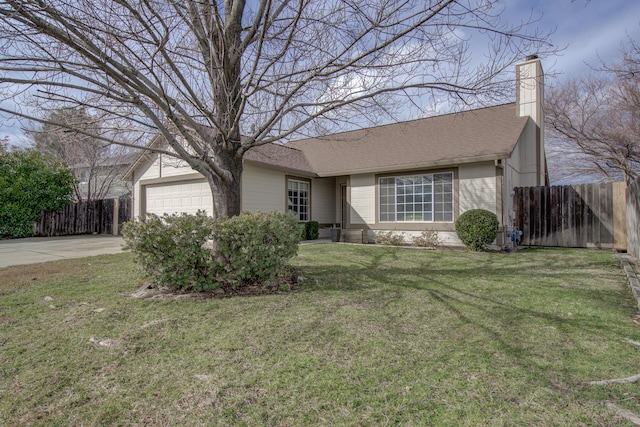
[[252, 248], [172, 250], [477, 228]]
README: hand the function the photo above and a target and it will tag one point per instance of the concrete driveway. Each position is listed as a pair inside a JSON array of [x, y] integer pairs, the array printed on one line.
[[42, 249]]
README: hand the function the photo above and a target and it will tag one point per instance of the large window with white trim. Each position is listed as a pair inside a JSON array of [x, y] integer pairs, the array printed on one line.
[[298, 198], [416, 198]]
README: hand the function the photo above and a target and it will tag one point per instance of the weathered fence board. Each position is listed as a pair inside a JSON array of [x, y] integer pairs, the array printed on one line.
[[98, 216], [584, 215], [633, 218]]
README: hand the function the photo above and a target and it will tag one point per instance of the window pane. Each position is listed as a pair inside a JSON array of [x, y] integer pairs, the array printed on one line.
[[418, 198], [442, 178], [298, 195], [387, 205]]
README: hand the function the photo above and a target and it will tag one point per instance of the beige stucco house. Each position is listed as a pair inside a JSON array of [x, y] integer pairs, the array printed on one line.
[[405, 177]]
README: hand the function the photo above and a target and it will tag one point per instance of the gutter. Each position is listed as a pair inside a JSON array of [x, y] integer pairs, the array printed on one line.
[[422, 165]]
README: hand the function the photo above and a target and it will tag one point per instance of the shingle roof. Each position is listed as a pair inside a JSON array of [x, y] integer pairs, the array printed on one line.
[[477, 135], [276, 155], [280, 156]]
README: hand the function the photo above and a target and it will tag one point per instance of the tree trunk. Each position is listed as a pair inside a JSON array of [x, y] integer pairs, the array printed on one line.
[[226, 192]]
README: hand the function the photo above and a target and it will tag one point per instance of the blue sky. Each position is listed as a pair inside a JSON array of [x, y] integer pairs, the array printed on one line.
[[588, 30]]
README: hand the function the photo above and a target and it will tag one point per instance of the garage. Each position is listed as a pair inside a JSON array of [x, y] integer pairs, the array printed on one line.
[[178, 197]]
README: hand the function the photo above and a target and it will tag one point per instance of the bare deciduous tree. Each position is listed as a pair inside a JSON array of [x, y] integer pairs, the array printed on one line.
[[594, 123], [255, 72], [96, 165]]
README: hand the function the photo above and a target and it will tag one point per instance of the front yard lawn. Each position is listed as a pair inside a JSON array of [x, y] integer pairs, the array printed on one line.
[[372, 336]]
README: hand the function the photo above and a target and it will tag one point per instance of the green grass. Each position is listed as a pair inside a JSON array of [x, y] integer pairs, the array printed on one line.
[[373, 336]]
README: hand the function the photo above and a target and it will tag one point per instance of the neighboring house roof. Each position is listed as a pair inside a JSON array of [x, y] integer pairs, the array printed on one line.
[[121, 161], [471, 136]]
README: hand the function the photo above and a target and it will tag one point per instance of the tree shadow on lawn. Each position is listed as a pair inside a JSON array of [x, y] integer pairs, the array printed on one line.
[[469, 295]]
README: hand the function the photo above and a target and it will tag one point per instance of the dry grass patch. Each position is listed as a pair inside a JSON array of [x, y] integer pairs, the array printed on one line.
[[21, 276]]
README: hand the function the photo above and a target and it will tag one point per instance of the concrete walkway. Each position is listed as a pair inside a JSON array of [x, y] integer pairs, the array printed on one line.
[[43, 249], [314, 242]]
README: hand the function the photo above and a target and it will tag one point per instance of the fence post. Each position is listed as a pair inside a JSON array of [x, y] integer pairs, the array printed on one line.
[[116, 209], [633, 218], [620, 216]]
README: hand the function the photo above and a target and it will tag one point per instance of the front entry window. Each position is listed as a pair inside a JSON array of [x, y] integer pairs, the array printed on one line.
[[298, 195]]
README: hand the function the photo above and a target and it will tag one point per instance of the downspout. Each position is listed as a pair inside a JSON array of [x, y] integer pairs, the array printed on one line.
[[500, 198]]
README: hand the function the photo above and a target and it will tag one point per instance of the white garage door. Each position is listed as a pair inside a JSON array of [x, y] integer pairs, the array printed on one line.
[[179, 197]]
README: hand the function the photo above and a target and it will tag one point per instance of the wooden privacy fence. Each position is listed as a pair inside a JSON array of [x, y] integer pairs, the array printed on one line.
[[100, 216], [633, 218], [578, 216]]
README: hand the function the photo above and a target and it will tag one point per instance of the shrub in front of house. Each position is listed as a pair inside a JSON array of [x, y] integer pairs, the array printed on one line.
[[195, 253], [477, 228], [388, 238], [427, 239], [302, 230], [255, 247], [172, 252], [311, 230]]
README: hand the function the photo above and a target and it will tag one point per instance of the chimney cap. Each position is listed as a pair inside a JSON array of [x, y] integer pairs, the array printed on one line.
[[532, 57]]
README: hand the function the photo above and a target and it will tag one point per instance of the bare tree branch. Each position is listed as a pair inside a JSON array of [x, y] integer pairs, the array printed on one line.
[[594, 123], [215, 79]]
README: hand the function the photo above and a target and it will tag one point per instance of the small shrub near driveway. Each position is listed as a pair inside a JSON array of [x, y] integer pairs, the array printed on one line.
[[477, 228], [171, 250], [250, 248]]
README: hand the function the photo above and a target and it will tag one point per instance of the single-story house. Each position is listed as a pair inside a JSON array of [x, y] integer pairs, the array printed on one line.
[[403, 177]]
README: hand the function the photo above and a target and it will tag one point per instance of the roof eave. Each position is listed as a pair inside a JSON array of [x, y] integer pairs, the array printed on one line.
[[128, 175], [422, 165], [146, 152], [304, 173]]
